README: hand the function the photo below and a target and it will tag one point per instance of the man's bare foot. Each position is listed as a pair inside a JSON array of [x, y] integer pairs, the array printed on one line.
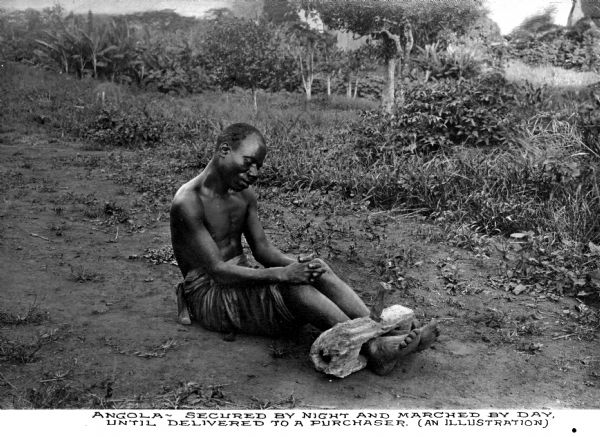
[[398, 331], [429, 334], [183, 316], [384, 352]]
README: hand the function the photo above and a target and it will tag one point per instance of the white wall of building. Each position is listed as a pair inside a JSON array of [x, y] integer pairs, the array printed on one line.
[[510, 13]]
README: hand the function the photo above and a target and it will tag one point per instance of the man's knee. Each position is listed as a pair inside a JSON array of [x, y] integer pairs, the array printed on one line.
[[300, 293], [324, 265]]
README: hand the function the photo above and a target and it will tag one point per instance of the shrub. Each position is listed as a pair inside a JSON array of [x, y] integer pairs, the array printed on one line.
[[131, 127], [451, 62], [576, 48], [443, 114], [589, 123]]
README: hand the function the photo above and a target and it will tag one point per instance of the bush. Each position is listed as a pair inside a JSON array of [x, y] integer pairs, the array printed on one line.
[[443, 114], [589, 123], [454, 62], [131, 127], [576, 48], [494, 155]]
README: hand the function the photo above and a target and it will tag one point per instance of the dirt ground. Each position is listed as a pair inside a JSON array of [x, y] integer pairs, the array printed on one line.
[[87, 308]]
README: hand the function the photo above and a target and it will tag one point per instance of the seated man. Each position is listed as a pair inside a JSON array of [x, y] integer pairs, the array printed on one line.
[[224, 293]]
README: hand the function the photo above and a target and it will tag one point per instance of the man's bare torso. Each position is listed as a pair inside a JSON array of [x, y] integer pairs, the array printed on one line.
[[224, 217]]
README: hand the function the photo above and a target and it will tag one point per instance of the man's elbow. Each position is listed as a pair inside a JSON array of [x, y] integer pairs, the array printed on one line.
[[219, 273], [262, 254]]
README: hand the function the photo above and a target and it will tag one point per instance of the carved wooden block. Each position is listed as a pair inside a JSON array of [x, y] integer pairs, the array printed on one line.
[[337, 350]]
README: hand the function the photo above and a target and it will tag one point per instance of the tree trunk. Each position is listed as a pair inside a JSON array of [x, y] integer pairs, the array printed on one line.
[[94, 65], [576, 13], [307, 79], [355, 88], [329, 85], [349, 88], [388, 93], [310, 73], [399, 98], [254, 100], [398, 49], [307, 85]]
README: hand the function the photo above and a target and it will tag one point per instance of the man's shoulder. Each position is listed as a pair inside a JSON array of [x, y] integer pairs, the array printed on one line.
[[249, 195], [186, 201]]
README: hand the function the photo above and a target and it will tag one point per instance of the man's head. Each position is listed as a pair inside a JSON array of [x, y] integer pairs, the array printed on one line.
[[240, 153]]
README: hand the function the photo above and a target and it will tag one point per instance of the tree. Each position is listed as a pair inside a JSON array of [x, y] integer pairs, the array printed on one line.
[[397, 24], [279, 11], [243, 53], [308, 47], [98, 41], [354, 63], [332, 62], [56, 46]]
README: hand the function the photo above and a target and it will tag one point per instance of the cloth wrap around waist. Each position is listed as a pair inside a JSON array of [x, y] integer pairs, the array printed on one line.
[[253, 309]]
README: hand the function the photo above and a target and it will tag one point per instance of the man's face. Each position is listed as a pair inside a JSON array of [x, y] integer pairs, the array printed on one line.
[[244, 163]]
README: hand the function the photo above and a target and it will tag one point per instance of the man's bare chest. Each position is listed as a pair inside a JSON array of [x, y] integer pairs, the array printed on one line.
[[225, 217]]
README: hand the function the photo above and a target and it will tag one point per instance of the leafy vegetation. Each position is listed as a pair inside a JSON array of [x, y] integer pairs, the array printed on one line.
[[470, 145], [538, 41], [502, 162]]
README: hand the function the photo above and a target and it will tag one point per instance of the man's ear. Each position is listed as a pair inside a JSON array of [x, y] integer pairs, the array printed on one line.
[[224, 150]]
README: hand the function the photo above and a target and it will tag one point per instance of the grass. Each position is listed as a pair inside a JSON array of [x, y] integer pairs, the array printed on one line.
[[19, 352], [82, 274], [549, 75], [544, 180], [56, 395], [33, 315]]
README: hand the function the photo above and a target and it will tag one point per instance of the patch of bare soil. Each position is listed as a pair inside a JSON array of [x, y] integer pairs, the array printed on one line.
[[88, 313]]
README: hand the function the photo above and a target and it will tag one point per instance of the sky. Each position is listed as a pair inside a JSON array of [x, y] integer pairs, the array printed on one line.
[[507, 13]]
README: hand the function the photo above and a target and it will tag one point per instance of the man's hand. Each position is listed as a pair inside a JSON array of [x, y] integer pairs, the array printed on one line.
[[306, 258], [302, 272]]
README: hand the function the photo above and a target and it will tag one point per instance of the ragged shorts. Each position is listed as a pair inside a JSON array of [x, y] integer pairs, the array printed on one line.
[[251, 309]]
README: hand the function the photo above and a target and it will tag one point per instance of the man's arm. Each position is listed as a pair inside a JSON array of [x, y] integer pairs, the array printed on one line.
[[188, 217], [264, 252]]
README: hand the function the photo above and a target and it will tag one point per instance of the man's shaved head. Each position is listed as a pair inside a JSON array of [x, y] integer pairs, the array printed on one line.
[[235, 133]]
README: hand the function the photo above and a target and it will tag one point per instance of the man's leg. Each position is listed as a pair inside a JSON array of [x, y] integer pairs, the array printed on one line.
[[332, 296], [312, 306], [340, 293], [309, 305]]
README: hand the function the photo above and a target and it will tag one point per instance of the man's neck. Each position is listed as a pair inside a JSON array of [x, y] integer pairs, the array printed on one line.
[[213, 180]]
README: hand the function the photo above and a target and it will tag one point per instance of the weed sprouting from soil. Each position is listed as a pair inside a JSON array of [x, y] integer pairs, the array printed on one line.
[[278, 351], [22, 351], [115, 213], [187, 395], [56, 395], [33, 316], [82, 274], [280, 404], [158, 351], [18, 352]]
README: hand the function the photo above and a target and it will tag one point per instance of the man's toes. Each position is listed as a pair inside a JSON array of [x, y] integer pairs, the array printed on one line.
[[412, 336], [429, 334]]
